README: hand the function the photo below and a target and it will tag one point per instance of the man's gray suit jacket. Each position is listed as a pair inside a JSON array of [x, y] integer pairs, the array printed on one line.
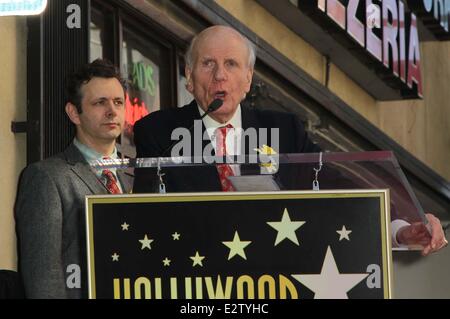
[[50, 224]]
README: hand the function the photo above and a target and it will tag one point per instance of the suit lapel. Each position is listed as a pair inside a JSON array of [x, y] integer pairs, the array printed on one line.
[[249, 120], [193, 116], [125, 180], [210, 178], [256, 120], [82, 169]]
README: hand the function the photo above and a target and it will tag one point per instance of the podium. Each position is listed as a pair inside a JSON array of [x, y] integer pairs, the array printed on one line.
[[290, 243]]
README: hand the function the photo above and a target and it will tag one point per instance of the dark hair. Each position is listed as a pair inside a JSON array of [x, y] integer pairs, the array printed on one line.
[[100, 68]]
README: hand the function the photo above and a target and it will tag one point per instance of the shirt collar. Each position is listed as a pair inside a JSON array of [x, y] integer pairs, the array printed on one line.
[[91, 155], [211, 125]]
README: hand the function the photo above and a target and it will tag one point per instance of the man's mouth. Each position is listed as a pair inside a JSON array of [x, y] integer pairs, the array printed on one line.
[[112, 124], [220, 95]]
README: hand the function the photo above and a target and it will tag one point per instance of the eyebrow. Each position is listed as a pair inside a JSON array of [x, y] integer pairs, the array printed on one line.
[[232, 59], [106, 98], [102, 98]]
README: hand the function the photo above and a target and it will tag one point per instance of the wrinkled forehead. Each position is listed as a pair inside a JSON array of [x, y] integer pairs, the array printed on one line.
[[220, 40]]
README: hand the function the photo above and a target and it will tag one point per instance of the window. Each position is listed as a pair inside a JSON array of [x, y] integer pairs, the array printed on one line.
[[97, 30], [145, 64], [147, 60], [184, 97]]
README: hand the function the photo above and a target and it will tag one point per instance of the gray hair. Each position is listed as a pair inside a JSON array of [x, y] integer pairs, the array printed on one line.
[[189, 56]]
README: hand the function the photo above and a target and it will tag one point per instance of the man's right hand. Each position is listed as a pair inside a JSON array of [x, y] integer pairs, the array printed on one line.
[[418, 234]]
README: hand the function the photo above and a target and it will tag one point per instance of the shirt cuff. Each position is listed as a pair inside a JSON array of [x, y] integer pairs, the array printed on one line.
[[395, 227]]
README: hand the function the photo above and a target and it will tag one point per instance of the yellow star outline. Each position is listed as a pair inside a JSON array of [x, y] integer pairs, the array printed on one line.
[[236, 246], [286, 228], [197, 259]]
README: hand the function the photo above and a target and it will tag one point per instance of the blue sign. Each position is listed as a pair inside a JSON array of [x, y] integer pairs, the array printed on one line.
[[22, 7]]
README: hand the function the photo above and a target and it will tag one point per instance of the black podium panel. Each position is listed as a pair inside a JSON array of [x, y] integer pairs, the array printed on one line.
[[240, 245]]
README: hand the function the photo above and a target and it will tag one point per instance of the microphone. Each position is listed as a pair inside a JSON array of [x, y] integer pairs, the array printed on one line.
[[215, 105]]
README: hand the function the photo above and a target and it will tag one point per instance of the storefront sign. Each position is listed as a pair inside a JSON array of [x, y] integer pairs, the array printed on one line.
[[143, 78], [376, 43], [397, 48], [22, 7], [435, 15]]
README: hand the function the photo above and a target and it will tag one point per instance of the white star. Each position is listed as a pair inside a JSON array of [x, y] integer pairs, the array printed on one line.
[[125, 226], [344, 233], [176, 236], [197, 259], [166, 261], [146, 242], [236, 246], [330, 284], [286, 228], [115, 257]]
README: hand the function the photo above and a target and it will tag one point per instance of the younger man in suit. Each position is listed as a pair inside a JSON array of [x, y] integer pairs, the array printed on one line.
[[51, 197]]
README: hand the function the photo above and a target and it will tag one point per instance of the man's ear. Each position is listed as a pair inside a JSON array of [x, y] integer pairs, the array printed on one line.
[[249, 80], [189, 84], [72, 113]]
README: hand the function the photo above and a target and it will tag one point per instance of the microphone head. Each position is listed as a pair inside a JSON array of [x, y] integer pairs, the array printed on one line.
[[217, 103]]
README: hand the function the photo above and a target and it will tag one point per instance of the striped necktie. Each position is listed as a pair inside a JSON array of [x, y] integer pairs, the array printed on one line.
[[224, 170], [110, 181]]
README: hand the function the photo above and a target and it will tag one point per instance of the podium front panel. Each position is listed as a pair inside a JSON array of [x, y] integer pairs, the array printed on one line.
[[277, 245]]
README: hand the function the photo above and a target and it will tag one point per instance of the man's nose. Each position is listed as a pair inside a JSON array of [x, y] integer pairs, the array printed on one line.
[[111, 109], [220, 73]]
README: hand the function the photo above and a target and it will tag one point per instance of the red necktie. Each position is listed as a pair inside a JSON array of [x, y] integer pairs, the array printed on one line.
[[224, 170], [111, 182]]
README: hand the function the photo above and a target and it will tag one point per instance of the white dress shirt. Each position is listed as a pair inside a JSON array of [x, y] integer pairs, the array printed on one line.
[[234, 135], [91, 155]]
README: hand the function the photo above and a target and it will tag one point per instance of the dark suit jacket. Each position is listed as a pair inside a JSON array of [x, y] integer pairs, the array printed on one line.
[[50, 222], [152, 136]]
